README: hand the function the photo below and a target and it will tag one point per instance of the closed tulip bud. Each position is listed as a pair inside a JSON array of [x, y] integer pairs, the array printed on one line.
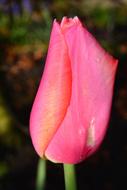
[[71, 110]]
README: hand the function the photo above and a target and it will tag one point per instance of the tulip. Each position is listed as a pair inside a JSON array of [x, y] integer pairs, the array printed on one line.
[[71, 110]]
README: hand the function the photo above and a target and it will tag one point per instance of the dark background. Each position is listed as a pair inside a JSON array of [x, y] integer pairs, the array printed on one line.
[[24, 36]]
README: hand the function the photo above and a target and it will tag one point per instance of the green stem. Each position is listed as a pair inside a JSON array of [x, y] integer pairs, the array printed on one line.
[[41, 174], [70, 177]]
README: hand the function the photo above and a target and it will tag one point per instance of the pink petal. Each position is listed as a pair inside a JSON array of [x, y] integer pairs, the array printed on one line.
[[86, 119], [53, 96]]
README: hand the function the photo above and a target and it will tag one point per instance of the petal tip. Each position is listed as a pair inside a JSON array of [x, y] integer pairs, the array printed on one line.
[[76, 20], [68, 22]]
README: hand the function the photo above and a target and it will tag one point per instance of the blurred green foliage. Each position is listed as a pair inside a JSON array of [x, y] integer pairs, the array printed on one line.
[[24, 30]]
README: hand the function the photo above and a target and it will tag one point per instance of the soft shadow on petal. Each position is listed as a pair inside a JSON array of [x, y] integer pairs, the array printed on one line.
[[53, 96]]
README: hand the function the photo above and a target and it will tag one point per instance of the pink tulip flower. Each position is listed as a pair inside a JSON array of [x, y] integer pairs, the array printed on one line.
[[71, 110]]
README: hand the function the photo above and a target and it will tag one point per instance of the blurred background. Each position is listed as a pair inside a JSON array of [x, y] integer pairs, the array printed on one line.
[[24, 35]]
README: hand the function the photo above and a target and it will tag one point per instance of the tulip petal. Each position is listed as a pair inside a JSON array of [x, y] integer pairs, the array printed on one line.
[[86, 119], [53, 96]]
